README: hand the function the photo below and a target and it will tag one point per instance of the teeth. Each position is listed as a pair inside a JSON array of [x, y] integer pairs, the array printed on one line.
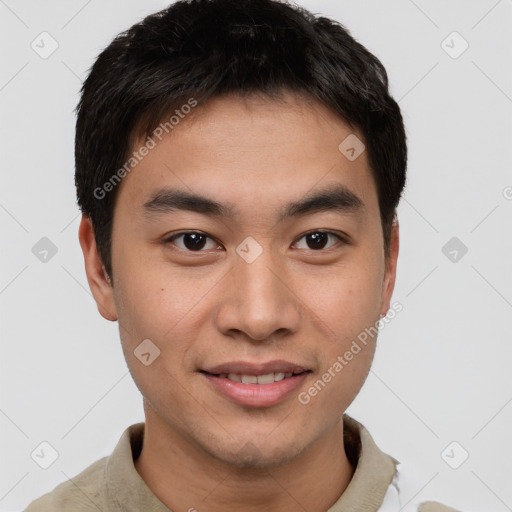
[[268, 378]]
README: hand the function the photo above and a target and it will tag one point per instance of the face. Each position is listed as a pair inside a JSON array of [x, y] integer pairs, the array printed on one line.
[[249, 250]]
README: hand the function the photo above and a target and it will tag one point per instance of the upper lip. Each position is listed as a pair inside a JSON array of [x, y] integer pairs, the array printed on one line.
[[247, 368]]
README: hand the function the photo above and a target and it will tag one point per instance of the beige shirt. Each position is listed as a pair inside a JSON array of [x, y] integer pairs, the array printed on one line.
[[112, 483]]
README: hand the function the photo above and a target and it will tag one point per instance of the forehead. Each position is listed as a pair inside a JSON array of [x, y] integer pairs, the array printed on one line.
[[252, 154]]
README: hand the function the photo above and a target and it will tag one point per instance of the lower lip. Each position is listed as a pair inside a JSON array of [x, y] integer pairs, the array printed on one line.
[[256, 395]]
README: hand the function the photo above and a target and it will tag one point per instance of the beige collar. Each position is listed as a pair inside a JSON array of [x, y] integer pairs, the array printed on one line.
[[374, 471]]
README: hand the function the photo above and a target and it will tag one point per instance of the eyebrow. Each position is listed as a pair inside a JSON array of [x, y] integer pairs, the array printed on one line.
[[337, 199]]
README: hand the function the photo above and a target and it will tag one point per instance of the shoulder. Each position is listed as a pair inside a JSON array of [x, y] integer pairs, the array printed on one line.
[[82, 493], [404, 485], [101, 485], [398, 498], [434, 506], [402, 493]]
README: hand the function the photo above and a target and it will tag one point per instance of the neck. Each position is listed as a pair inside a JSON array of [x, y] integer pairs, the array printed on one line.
[[194, 481]]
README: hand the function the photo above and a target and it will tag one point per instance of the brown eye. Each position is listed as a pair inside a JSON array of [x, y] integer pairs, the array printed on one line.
[[317, 240], [193, 241]]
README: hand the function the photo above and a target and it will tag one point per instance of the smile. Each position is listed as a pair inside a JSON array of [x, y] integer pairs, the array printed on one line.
[[250, 385], [268, 378]]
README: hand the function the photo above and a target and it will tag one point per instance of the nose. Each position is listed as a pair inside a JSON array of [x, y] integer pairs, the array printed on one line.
[[258, 300]]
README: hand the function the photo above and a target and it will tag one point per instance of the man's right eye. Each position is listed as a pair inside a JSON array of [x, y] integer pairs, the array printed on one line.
[[193, 241]]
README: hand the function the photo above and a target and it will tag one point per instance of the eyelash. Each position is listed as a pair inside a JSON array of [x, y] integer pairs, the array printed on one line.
[[339, 237]]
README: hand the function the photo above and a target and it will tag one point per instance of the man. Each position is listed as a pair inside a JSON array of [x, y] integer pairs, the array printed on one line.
[[238, 166]]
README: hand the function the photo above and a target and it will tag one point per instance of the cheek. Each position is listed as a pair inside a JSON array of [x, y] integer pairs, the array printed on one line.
[[152, 297], [348, 306], [165, 305], [149, 330], [348, 311], [348, 300]]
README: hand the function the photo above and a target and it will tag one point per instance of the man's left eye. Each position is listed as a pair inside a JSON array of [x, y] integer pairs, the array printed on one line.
[[317, 240]]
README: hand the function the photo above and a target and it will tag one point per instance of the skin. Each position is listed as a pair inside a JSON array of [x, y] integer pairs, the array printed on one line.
[[294, 303]]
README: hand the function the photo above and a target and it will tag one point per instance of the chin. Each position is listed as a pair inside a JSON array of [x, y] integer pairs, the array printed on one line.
[[257, 454]]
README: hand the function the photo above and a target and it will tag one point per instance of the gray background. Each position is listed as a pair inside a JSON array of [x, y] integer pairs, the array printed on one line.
[[442, 368]]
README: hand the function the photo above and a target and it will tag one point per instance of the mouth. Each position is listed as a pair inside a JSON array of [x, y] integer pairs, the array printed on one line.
[[262, 379], [256, 385]]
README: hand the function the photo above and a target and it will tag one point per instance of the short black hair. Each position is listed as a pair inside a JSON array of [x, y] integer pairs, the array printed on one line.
[[196, 50]]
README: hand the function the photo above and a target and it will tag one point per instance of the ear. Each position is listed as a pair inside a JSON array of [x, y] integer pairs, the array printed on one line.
[[388, 283], [99, 281]]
